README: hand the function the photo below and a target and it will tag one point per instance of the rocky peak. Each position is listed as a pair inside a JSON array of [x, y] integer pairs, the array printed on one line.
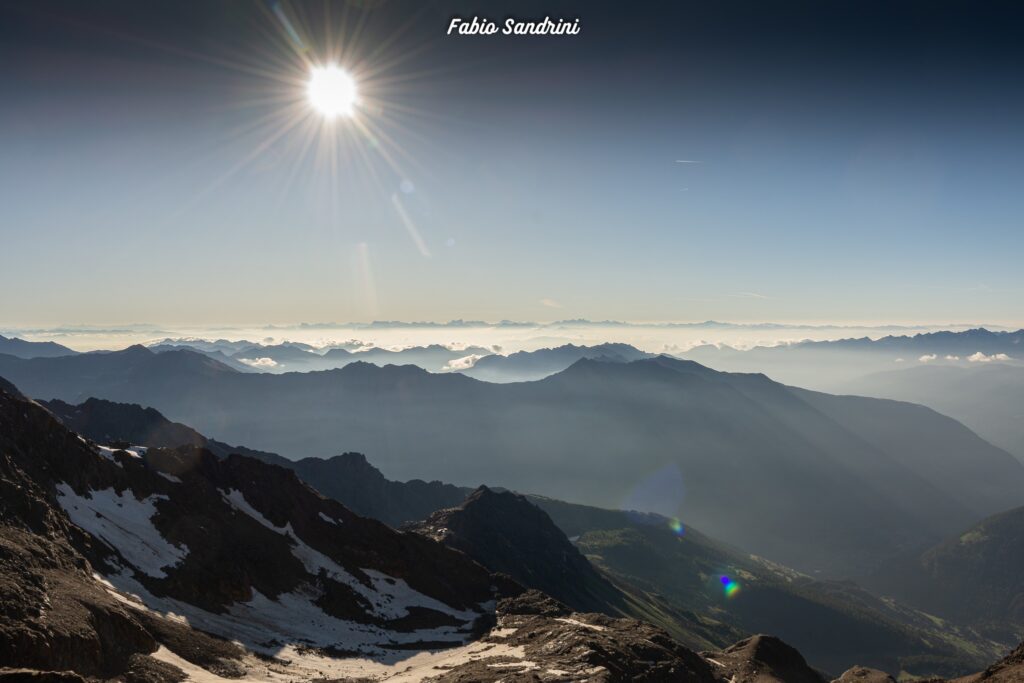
[[764, 659], [507, 533]]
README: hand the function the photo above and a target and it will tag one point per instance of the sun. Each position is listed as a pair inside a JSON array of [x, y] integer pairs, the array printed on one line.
[[332, 91]]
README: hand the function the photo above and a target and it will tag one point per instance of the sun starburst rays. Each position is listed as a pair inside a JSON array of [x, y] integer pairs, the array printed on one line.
[[342, 146]]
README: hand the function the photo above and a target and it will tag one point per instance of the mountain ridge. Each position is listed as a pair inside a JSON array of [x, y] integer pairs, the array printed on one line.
[[29, 349], [128, 537], [659, 564], [695, 437]]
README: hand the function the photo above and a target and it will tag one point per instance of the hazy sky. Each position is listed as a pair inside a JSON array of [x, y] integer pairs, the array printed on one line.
[[858, 161]]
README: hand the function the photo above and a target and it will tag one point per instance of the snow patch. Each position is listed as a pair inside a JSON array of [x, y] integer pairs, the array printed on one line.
[[329, 520], [125, 524], [502, 632], [292, 623], [108, 452], [389, 597]]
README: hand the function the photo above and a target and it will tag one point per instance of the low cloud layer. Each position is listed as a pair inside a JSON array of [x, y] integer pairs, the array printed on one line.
[[980, 357], [464, 363], [259, 362]]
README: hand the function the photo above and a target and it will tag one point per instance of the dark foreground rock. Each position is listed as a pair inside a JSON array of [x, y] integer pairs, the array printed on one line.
[[763, 659], [862, 674], [1010, 669], [545, 641]]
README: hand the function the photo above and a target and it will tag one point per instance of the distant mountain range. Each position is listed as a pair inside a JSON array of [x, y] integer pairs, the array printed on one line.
[[583, 322], [975, 376], [659, 571], [831, 365], [962, 343], [347, 477], [296, 357], [26, 349], [738, 455], [987, 397], [474, 361], [525, 366]]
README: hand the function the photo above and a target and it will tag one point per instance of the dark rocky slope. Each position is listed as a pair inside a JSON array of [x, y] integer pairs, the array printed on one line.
[[347, 477], [101, 548], [508, 534], [216, 539], [1009, 669], [976, 576], [665, 574], [764, 659]]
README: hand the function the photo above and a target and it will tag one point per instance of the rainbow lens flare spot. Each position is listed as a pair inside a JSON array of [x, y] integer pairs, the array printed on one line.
[[730, 586], [676, 526]]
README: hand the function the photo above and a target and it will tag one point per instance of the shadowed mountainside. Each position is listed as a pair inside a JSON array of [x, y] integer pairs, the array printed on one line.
[[974, 577], [739, 455], [26, 349], [831, 365], [112, 542], [987, 397], [663, 572], [523, 366], [99, 547]]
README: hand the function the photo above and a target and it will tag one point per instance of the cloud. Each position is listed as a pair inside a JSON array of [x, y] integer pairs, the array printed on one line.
[[687, 161], [747, 295], [259, 362], [899, 360], [927, 357], [952, 357], [464, 363], [550, 303], [980, 357]]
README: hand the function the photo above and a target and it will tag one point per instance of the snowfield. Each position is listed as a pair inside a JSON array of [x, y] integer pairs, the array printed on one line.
[[412, 667], [291, 628], [125, 524], [389, 597]]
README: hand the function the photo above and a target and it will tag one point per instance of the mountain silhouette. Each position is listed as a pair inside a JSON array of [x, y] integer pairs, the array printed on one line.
[[739, 456], [524, 366], [27, 349]]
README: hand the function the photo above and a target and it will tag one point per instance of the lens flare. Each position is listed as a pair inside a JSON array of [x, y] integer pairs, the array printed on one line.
[[676, 526], [730, 586]]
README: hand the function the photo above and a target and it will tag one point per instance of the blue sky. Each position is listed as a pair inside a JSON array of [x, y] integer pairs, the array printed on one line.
[[856, 165]]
